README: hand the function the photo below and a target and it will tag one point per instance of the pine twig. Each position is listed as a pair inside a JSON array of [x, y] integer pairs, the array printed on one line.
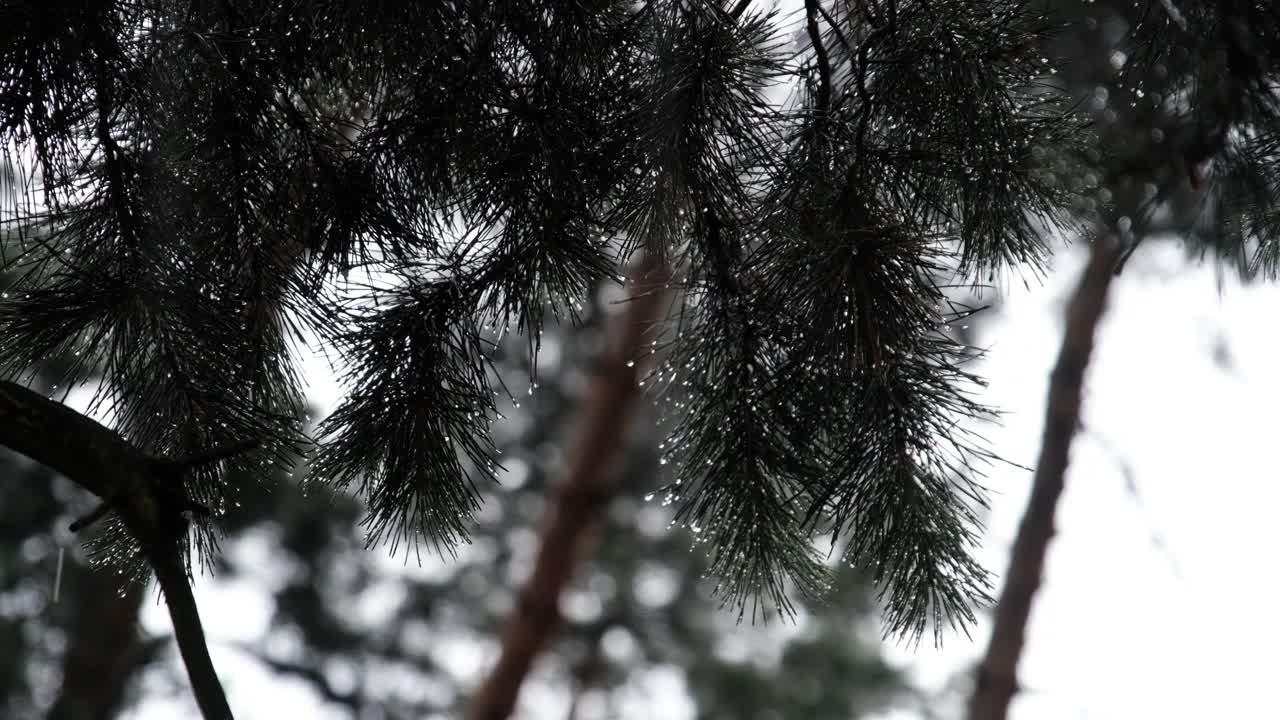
[[740, 8], [90, 517], [214, 455], [823, 101], [997, 675], [603, 423]]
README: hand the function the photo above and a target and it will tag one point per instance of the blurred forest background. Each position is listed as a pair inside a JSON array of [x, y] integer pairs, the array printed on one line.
[[380, 638]]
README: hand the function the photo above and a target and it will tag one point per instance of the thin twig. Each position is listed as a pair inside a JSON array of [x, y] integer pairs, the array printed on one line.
[[350, 699], [740, 8], [603, 423], [820, 54], [997, 676], [835, 29], [215, 454], [1131, 487], [90, 517]]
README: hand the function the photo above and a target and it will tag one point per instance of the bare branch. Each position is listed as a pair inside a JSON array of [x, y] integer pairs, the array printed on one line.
[[172, 576], [216, 454], [90, 517]]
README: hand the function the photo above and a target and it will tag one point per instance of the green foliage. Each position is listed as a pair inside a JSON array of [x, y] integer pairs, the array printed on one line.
[[402, 449], [639, 604], [198, 187]]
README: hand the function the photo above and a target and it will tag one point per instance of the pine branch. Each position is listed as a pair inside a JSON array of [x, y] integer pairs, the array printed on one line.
[[605, 417], [213, 455], [740, 468], [201, 146], [90, 517], [171, 574], [413, 433], [997, 676], [823, 99], [142, 490]]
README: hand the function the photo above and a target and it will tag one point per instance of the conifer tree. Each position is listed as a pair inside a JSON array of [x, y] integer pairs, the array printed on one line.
[[193, 188], [641, 599]]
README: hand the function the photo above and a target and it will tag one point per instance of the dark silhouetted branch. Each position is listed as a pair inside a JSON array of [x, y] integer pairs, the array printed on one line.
[[603, 423], [997, 676], [823, 99], [90, 517], [137, 487], [314, 675], [171, 574], [213, 455]]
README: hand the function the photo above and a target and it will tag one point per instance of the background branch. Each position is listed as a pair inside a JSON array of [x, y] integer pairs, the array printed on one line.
[[997, 675], [608, 410], [351, 700]]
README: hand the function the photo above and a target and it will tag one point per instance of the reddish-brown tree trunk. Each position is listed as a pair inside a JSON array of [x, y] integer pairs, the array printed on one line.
[[997, 676], [601, 430]]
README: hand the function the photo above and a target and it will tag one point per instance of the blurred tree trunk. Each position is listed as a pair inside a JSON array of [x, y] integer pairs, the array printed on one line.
[[604, 420], [105, 647]]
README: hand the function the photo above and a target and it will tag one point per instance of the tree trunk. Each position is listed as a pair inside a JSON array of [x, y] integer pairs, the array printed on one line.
[[105, 647], [606, 414], [997, 676]]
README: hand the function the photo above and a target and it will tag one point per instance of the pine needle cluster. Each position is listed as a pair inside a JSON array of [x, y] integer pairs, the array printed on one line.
[[192, 190]]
